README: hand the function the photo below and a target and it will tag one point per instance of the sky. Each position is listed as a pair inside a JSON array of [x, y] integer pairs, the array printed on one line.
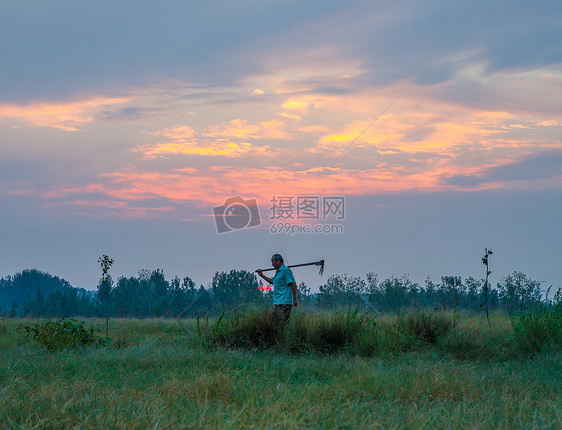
[[198, 137]]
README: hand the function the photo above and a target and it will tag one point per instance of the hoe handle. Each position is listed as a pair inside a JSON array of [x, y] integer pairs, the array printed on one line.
[[314, 263]]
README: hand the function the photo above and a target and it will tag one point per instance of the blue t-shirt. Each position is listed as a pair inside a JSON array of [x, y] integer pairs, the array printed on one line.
[[282, 293]]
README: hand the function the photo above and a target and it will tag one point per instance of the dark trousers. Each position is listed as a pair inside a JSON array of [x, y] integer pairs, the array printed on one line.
[[283, 313]]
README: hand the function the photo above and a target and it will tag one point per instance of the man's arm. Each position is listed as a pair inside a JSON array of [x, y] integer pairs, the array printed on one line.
[[293, 286], [268, 280]]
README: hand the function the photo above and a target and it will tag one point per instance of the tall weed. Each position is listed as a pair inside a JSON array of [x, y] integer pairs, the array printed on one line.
[[366, 334], [328, 332], [3, 325], [425, 325], [252, 328], [541, 327], [260, 328]]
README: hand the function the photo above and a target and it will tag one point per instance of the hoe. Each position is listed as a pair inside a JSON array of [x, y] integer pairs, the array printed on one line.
[[314, 263]]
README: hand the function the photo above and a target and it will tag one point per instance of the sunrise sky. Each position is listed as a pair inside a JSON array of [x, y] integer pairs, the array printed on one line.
[[124, 123]]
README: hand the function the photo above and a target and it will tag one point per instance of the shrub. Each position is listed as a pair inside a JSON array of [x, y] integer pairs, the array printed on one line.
[[357, 333], [259, 328], [62, 333], [426, 326], [253, 328], [540, 327], [328, 333]]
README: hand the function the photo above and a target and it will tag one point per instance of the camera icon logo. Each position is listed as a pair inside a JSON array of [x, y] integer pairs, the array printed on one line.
[[236, 214]]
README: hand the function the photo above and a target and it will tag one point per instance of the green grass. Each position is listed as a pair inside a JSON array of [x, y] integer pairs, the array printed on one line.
[[162, 377], [540, 329]]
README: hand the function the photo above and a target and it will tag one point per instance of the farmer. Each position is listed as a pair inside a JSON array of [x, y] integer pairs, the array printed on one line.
[[284, 289]]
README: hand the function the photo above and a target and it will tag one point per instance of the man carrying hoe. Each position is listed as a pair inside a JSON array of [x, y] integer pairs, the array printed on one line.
[[284, 289]]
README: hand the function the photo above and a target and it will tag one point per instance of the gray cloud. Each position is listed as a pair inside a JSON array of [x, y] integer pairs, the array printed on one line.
[[49, 52], [543, 166], [130, 113], [75, 48], [435, 40]]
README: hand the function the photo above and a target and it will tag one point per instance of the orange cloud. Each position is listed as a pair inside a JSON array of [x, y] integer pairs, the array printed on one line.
[[299, 106], [400, 134], [417, 145], [228, 140], [226, 149], [183, 140], [290, 116], [243, 129], [549, 123], [64, 116]]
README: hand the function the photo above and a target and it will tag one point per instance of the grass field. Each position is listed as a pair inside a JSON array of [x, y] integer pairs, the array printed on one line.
[[157, 374]]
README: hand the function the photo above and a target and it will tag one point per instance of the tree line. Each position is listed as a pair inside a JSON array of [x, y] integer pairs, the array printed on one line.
[[149, 294], [515, 292]]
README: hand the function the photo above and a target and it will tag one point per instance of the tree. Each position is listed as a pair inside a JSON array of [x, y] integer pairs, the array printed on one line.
[[128, 298], [204, 303], [13, 310], [235, 287], [518, 293], [372, 288], [473, 293], [28, 289], [304, 295], [342, 290], [154, 288], [394, 293], [159, 286], [159, 283], [485, 261], [104, 287], [184, 297], [451, 292]]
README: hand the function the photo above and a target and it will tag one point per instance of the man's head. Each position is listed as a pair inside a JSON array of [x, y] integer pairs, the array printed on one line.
[[276, 261]]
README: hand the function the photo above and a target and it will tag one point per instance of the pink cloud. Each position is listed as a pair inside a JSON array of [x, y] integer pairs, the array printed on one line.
[[64, 116], [413, 147]]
